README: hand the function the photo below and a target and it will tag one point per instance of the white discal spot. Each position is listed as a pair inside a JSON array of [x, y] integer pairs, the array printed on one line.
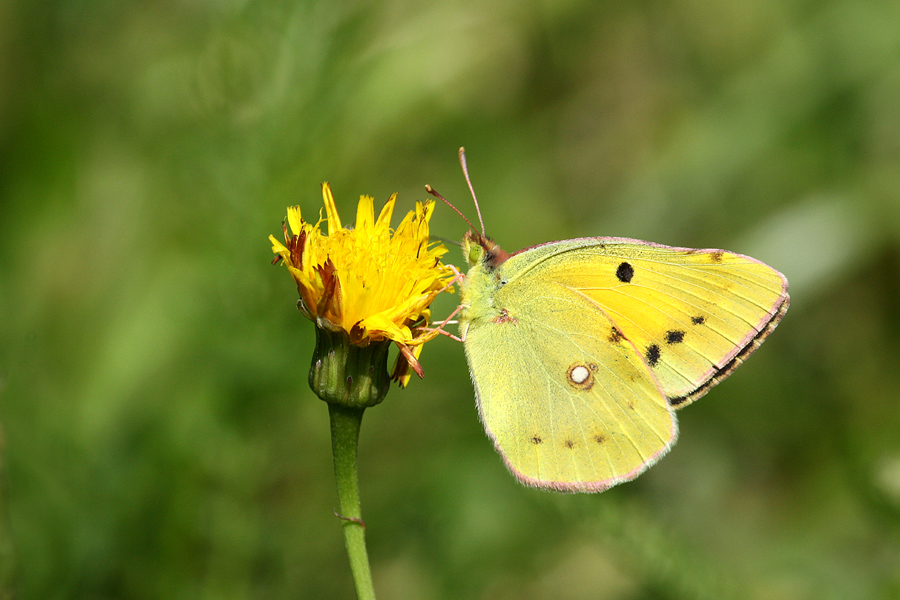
[[579, 374]]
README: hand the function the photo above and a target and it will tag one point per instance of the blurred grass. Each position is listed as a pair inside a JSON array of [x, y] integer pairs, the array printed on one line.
[[159, 438]]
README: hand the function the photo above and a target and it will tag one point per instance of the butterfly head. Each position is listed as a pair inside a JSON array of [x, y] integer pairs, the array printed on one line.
[[480, 249]]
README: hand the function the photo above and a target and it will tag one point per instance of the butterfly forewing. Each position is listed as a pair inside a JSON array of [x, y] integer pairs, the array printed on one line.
[[692, 315]]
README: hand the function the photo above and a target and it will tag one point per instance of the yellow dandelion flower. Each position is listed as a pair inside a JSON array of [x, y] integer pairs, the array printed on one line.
[[368, 281]]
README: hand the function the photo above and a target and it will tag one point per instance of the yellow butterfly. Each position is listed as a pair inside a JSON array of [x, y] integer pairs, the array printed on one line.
[[581, 350]]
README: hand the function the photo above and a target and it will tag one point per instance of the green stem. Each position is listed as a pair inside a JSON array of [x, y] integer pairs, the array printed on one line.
[[345, 422]]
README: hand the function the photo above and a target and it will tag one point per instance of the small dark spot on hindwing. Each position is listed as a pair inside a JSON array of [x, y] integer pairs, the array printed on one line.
[[570, 444], [615, 336], [536, 439], [698, 320], [625, 272]]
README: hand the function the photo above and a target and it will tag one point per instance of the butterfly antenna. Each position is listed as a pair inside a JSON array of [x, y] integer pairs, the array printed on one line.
[[435, 193], [465, 168], [446, 241]]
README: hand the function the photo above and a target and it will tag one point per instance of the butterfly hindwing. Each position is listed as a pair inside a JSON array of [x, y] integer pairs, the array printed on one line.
[[567, 400]]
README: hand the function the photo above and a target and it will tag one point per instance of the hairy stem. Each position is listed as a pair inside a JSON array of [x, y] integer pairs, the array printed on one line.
[[345, 422]]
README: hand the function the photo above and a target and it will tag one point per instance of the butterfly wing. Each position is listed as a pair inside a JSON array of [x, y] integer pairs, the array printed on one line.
[[569, 404], [694, 315], [597, 339]]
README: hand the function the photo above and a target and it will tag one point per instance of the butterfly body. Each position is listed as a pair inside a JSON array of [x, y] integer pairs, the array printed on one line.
[[581, 350]]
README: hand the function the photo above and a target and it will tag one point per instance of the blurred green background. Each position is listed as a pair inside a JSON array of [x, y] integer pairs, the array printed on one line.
[[159, 439]]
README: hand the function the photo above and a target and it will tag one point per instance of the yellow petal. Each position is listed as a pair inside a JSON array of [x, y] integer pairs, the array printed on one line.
[[365, 215], [279, 248], [381, 325], [294, 219], [306, 288], [384, 219], [428, 209], [334, 221]]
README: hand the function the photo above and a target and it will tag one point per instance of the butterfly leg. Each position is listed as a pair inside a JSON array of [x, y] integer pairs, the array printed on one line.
[[457, 276], [440, 326]]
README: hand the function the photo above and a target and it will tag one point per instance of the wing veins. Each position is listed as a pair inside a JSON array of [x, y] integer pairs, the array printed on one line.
[[625, 414]]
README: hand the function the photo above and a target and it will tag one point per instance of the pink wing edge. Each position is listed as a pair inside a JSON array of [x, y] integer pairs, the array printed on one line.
[[581, 486]]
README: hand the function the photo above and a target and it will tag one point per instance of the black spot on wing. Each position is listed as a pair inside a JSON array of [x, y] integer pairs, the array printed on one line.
[[652, 355], [674, 336], [615, 336], [570, 444], [698, 320], [625, 272], [536, 439]]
